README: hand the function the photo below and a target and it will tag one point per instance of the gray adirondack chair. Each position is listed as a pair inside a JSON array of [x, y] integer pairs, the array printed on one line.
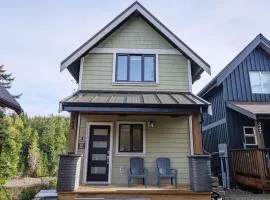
[[137, 170], [164, 170]]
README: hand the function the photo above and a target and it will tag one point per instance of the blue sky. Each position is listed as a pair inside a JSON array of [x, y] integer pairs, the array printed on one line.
[[36, 36]]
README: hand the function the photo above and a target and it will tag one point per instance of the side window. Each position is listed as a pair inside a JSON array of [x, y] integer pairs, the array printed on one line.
[[260, 82], [250, 136]]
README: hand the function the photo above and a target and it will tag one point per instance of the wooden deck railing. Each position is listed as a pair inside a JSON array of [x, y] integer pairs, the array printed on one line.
[[251, 162]]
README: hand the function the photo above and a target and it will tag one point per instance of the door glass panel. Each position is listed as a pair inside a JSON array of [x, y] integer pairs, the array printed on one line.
[[99, 144], [135, 69], [124, 142], [98, 170], [99, 157], [103, 132]]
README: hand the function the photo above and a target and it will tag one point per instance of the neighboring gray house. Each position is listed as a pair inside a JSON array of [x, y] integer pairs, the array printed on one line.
[[7, 100], [240, 98]]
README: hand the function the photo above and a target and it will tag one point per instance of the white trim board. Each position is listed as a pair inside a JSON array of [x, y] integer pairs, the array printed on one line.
[[88, 124], [136, 51], [118, 20], [191, 143]]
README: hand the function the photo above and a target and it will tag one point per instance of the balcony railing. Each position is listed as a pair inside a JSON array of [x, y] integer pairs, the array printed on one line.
[[252, 166]]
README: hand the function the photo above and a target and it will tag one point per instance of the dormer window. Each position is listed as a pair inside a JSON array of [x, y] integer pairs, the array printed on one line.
[[135, 68]]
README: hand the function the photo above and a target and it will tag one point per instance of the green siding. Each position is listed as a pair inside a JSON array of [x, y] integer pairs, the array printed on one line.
[[169, 138], [136, 33], [98, 70]]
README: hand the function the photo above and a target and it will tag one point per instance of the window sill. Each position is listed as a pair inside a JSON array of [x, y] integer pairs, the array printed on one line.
[[130, 154], [154, 84]]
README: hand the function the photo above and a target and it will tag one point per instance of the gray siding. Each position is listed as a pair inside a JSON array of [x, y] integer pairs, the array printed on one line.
[[218, 106], [237, 85]]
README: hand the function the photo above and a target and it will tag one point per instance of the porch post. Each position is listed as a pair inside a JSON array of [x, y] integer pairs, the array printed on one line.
[[197, 133], [259, 134], [73, 132]]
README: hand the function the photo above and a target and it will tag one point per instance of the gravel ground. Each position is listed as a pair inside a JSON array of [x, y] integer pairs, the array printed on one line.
[[28, 182], [237, 194]]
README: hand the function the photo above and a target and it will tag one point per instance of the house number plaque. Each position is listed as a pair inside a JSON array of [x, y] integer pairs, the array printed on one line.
[[81, 145]]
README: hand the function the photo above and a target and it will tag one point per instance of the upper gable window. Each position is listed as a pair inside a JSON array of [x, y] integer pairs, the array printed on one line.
[[135, 68], [260, 82]]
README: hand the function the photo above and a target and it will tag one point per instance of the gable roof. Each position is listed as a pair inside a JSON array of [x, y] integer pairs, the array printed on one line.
[[72, 62], [259, 40], [7, 100]]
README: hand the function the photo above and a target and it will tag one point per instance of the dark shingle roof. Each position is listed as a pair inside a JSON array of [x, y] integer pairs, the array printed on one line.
[[7, 100]]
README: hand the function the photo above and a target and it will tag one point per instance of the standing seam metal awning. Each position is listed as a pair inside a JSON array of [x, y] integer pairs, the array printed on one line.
[[135, 101], [253, 110]]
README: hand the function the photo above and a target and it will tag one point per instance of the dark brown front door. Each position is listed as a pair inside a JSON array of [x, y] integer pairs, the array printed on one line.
[[98, 153]]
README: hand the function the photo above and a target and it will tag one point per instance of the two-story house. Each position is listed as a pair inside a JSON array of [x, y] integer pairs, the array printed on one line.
[[240, 98], [134, 99]]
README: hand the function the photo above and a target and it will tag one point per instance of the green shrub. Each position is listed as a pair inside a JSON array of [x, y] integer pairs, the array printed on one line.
[[29, 193]]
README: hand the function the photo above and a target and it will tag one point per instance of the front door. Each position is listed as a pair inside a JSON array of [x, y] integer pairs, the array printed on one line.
[[98, 154]]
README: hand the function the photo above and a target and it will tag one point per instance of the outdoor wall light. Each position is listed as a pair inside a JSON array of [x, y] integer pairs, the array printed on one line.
[[151, 124]]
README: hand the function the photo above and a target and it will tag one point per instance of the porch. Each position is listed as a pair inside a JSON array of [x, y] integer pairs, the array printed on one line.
[[135, 192], [109, 129]]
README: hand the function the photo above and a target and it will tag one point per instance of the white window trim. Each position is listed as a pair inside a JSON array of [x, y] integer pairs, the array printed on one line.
[[117, 153], [261, 83], [88, 124], [138, 51], [81, 73], [250, 135]]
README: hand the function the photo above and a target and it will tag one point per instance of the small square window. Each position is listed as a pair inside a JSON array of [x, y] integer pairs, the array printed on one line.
[[250, 136]]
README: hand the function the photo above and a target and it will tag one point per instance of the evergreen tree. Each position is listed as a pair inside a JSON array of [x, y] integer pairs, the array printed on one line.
[[5, 78], [34, 158]]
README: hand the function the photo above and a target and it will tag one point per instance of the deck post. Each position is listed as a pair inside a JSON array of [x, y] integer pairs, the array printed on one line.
[[73, 132], [259, 134], [197, 133]]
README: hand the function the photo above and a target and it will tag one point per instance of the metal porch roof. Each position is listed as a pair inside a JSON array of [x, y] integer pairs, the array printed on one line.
[[253, 110], [133, 99]]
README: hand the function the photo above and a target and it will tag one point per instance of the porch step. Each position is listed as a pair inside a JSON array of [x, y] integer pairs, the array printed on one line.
[[110, 198]]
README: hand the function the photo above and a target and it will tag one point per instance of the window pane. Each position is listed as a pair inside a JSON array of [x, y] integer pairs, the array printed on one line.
[[249, 131], [255, 82], [135, 68], [99, 144], [124, 141], [266, 82], [99, 156], [250, 140], [121, 68], [149, 68], [98, 170], [137, 138], [103, 132]]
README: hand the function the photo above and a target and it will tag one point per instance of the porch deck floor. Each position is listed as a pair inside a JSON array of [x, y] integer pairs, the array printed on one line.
[[135, 189], [138, 192]]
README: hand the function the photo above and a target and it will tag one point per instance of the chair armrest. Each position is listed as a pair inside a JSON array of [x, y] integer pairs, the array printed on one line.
[[129, 171], [174, 171], [145, 171]]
